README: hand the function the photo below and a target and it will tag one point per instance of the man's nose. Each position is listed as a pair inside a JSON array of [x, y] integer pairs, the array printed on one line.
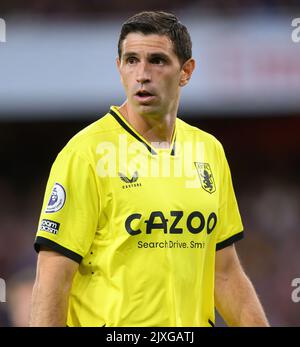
[[143, 73]]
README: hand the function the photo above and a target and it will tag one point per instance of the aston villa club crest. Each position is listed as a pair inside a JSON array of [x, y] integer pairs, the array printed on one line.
[[206, 177]]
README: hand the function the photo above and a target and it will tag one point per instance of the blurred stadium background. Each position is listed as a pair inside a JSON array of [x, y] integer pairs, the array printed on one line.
[[57, 75]]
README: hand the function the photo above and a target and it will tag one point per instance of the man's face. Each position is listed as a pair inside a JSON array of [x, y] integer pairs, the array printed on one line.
[[151, 73]]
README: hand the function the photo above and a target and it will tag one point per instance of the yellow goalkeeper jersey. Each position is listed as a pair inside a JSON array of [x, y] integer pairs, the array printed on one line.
[[143, 223]]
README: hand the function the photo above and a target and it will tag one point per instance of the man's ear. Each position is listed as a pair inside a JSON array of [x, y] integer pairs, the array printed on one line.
[[186, 71]]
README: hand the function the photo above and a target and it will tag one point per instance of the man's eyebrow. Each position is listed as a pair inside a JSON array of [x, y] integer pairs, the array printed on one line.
[[129, 54], [151, 55], [159, 55]]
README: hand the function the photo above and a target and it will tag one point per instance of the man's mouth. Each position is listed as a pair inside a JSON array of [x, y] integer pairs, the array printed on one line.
[[144, 96], [143, 93]]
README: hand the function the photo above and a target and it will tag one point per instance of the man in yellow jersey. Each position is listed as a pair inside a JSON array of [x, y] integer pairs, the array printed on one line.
[[139, 215]]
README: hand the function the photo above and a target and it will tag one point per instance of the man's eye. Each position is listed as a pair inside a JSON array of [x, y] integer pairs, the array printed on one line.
[[131, 60], [158, 61]]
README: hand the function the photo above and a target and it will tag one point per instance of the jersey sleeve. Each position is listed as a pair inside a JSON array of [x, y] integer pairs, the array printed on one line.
[[230, 224], [69, 215]]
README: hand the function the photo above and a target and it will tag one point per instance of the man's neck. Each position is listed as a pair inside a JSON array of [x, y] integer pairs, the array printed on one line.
[[157, 130]]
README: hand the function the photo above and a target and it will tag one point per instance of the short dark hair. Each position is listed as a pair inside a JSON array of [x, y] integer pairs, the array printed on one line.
[[160, 23]]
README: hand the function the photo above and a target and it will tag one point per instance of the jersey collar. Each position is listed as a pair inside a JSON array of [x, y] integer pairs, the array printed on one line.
[[122, 121]]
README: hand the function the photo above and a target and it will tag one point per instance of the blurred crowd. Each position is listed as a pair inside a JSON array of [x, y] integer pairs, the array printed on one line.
[[82, 8]]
